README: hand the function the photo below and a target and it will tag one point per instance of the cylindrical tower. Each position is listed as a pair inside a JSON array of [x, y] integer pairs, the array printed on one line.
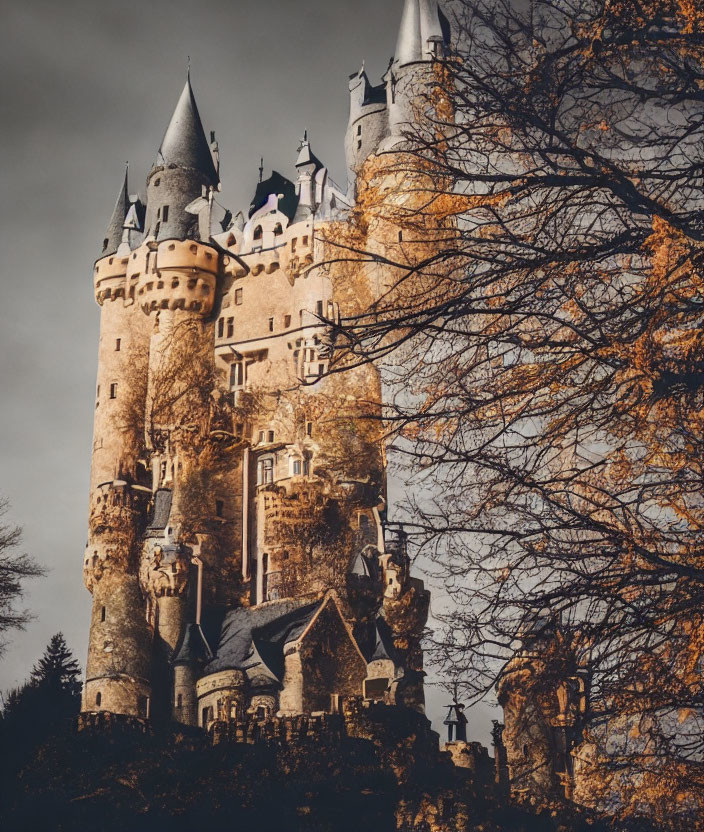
[[119, 655]]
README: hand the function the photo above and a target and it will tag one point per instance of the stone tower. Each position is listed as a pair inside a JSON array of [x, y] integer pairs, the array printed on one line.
[[239, 555]]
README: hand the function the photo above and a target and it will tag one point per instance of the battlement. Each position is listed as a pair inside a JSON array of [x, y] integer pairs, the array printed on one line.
[[106, 722], [178, 275], [109, 278], [287, 730]]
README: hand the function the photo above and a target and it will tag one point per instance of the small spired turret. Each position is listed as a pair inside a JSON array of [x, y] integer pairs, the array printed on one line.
[[424, 37], [113, 233], [184, 172]]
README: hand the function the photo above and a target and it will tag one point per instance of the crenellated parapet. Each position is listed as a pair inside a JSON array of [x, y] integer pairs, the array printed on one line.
[[109, 278], [178, 274]]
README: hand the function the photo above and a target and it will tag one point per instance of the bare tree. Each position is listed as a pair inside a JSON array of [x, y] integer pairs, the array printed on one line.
[[548, 361], [15, 568]]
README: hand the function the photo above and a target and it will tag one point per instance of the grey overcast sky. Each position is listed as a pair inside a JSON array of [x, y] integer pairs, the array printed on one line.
[[87, 85]]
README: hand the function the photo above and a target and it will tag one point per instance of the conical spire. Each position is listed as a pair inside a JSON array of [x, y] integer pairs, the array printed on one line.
[[113, 233], [185, 144], [422, 23]]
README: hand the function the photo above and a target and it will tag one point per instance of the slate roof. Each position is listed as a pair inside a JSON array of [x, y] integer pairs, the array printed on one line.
[[113, 233], [253, 640], [276, 184], [184, 143], [162, 510], [192, 647]]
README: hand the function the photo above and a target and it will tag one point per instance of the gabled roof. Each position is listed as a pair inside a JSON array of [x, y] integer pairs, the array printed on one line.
[[113, 233], [184, 143], [252, 639]]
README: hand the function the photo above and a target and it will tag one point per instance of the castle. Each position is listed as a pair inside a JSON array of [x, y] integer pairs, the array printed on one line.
[[241, 562], [239, 555]]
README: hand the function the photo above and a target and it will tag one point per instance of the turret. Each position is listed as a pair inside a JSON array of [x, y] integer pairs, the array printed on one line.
[[113, 233], [119, 654], [424, 37], [368, 121], [184, 172]]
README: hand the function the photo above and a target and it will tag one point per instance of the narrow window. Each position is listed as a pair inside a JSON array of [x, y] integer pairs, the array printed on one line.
[[319, 309], [204, 718], [278, 230], [219, 508], [287, 321], [113, 391], [258, 233], [270, 436], [105, 244], [230, 327], [238, 297], [237, 374], [165, 213], [158, 213], [261, 437], [162, 471], [98, 699], [296, 467], [271, 324], [118, 344], [179, 700], [221, 327], [359, 129], [102, 614], [309, 428], [97, 392], [400, 236], [305, 239], [359, 144], [321, 369], [294, 242]]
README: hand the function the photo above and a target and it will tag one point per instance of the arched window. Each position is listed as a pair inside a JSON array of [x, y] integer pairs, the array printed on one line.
[[258, 233], [105, 243], [278, 230]]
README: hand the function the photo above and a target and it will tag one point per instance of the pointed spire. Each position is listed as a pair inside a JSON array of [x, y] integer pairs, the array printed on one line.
[[408, 46], [185, 144], [422, 25], [306, 155], [113, 233]]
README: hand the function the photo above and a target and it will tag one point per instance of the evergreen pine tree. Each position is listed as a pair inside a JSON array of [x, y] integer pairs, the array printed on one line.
[[57, 672]]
